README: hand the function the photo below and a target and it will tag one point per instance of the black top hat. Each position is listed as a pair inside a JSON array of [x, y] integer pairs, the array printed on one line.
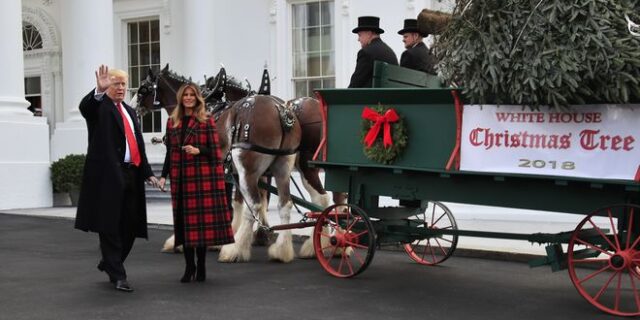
[[368, 23], [410, 25]]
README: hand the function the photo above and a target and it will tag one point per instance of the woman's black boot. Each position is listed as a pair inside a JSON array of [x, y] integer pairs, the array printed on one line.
[[201, 273], [190, 268]]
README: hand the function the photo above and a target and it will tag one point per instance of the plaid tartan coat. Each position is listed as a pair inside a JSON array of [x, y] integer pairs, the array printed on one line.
[[197, 185]]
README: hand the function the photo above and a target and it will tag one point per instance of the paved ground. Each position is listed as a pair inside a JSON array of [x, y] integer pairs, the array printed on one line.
[[479, 218], [47, 271]]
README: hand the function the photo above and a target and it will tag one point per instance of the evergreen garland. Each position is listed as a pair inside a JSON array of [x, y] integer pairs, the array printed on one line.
[[542, 52], [377, 152]]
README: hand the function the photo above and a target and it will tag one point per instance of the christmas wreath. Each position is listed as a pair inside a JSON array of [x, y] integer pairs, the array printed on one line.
[[384, 135]]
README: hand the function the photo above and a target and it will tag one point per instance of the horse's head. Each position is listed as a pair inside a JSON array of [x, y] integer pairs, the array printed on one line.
[[147, 94], [159, 91]]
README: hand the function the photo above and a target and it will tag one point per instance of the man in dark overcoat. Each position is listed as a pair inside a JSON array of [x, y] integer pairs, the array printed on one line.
[[373, 48], [112, 199], [417, 56]]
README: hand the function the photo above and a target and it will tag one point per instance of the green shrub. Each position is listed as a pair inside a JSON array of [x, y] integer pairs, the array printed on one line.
[[535, 52], [66, 173]]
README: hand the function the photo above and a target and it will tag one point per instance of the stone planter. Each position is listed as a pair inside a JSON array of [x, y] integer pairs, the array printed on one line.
[[61, 199], [74, 195]]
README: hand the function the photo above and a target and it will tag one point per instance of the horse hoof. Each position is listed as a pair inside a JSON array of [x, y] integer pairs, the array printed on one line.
[[282, 254], [307, 251], [263, 238]]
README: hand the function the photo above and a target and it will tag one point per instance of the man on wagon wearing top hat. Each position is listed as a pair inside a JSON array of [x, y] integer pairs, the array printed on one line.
[[373, 48], [417, 56]]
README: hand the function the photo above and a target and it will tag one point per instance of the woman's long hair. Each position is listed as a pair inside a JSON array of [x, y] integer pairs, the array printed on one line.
[[199, 110]]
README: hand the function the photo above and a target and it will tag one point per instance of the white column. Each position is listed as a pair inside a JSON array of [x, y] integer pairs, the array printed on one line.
[[198, 42], [24, 141], [87, 42]]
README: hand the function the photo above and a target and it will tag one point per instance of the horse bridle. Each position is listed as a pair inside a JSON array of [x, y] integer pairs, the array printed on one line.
[[154, 88], [149, 86]]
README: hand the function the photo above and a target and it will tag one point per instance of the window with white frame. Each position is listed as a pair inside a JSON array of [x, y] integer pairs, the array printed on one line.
[[313, 46], [31, 38], [144, 52]]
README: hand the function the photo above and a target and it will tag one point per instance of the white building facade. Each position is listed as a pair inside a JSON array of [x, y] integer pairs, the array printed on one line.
[[305, 44]]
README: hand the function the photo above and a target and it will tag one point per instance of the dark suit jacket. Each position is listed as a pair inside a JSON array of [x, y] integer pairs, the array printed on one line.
[[419, 58], [102, 187], [376, 50]]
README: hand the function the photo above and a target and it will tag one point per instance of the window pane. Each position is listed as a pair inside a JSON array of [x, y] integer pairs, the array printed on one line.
[[144, 54], [133, 55], [144, 31], [313, 65], [134, 78], [329, 83], [155, 30], [147, 120], [300, 65], [313, 39], [326, 13], [299, 15], [299, 41], [157, 125], [328, 64], [313, 11], [327, 38], [133, 33], [155, 53], [314, 84], [32, 85], [301, 88]]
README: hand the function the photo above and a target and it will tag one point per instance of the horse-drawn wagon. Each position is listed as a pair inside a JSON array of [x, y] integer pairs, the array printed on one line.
[[407, 140], [420, 167]]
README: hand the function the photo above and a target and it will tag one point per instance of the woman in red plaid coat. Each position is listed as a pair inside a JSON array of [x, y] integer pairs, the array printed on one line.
[[193, 162]]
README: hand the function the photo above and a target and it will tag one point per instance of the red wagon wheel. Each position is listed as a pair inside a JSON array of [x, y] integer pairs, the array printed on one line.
[[604, 259], [433, 250], [344, 240]]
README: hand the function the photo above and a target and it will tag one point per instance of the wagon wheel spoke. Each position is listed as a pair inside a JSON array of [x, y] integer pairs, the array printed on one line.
[[439, 218], [592, 246], [358, 256], [592, 275], [439, 246], [603, 235], [613, 229], [356, 245], [348, 261], [629, 231], [605, 286], [443, 239], [429, 249], [600, 260]]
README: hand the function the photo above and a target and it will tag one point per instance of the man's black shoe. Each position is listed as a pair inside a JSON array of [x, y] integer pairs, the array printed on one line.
[[123, 285], [102, 269]]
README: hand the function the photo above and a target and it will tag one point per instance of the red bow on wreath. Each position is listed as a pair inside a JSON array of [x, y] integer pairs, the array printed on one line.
[[386, 119]]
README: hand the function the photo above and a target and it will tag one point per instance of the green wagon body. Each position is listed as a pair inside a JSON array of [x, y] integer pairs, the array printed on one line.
[[420, 174]]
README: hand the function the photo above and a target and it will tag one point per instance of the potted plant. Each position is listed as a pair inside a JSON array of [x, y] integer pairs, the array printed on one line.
[[66, 175]]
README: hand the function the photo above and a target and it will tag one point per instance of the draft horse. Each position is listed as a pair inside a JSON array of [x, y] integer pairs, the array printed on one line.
[[223, 89], [258, 134]]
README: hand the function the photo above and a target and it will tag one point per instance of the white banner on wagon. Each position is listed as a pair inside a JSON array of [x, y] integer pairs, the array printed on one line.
[[589, 141]]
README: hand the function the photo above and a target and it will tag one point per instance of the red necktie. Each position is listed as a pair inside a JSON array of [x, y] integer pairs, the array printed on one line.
[[131, 138]]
